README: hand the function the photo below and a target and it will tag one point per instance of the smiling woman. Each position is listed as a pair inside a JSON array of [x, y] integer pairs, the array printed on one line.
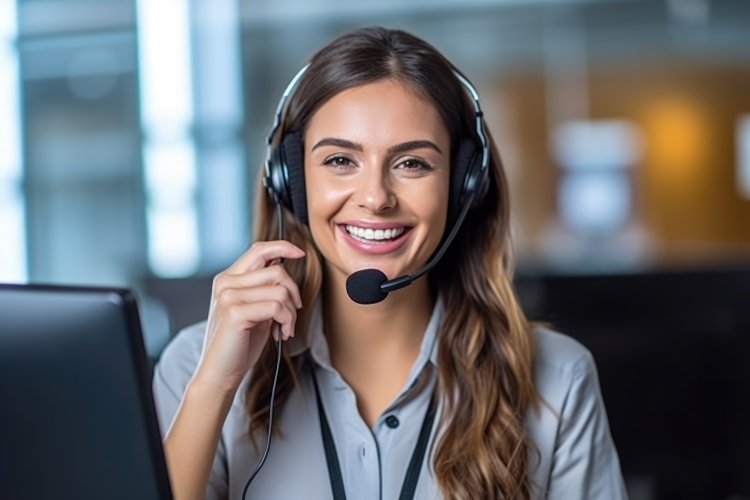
[[441, 389]]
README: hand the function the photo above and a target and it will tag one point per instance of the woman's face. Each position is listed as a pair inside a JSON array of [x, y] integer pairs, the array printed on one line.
[[377, 172]]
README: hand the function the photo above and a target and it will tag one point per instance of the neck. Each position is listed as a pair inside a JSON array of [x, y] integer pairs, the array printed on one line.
[[375, 346], [355, 330]]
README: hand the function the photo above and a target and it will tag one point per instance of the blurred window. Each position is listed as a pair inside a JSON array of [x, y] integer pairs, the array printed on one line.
[[168, 149], [192, 118], [12, 223]]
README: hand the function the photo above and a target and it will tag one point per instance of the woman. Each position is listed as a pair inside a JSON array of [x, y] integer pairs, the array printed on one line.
[[379, 135]]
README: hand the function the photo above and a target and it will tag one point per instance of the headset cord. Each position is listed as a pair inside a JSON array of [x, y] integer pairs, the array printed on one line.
[[270, 416], [280, 224]]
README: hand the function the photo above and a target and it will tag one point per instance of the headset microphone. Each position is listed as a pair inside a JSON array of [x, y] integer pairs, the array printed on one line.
[[370, 286]]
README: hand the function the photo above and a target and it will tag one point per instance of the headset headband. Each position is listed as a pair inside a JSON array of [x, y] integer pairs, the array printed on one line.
[[280, 108]]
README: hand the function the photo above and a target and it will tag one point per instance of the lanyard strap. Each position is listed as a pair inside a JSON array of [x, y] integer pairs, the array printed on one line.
[[415, 465]]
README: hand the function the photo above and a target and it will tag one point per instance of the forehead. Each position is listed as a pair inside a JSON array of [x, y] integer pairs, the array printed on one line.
[[385, 110]]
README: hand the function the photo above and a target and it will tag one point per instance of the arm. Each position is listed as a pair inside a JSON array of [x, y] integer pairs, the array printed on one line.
[[192, 440], [172, 376], [246, 300]]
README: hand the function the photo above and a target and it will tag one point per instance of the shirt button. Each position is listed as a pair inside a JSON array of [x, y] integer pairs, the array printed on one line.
[[391, 421]]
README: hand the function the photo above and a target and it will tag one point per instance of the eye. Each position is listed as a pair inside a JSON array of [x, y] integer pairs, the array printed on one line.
[[415, 165], [338, 162]]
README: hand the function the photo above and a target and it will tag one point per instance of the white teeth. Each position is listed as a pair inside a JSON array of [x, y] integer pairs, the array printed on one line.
[[375, 234]]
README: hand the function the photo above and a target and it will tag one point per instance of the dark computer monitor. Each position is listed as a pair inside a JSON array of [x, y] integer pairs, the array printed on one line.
[[77, 419]]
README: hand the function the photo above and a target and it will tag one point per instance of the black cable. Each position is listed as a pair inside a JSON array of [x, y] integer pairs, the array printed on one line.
[[280, 223], [270, 416]]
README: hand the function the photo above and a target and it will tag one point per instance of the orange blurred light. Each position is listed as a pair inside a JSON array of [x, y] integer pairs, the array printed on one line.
[[677, 142]]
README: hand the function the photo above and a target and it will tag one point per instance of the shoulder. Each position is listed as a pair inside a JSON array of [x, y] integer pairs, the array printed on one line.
[[576, 457], [180, 358], [564, 370], [560, 355], [184, 350]]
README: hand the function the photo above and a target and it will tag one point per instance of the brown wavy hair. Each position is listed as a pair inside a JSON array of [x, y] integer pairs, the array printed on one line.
[[485, 346]]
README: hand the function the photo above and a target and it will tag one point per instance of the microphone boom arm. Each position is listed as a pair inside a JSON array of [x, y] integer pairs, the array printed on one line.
[[405, 280]]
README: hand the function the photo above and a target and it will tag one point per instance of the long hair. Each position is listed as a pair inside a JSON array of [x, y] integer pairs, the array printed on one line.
[[485, 346]]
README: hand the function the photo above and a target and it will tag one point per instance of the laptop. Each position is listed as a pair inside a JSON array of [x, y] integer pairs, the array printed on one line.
[[77, 418]]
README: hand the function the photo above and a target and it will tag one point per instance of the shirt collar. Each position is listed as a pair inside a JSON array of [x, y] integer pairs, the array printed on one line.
[[316, 342]]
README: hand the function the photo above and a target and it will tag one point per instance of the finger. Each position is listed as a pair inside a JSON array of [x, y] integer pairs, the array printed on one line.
[[262, 253], [275, 293], [274, 275], [246, 316], [276, 332]]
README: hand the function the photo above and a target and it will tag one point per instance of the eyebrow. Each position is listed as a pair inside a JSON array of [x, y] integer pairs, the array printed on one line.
[[410, 145], [398, 148]]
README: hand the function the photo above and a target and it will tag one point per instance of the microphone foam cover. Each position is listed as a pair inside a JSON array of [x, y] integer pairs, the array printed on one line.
[[363, 287]]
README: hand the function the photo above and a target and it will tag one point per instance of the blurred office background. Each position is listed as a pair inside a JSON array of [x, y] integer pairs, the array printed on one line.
[[131, 133]]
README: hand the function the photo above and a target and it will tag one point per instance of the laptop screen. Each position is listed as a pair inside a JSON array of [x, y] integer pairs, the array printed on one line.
[[77, 417]]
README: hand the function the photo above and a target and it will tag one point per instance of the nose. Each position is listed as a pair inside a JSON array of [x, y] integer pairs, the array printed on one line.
[[375, 191]]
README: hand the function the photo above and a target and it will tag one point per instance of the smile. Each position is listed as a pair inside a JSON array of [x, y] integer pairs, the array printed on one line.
[[370, 235]]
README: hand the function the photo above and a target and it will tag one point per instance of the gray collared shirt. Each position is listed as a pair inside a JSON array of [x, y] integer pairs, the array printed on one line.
[[576, 460]]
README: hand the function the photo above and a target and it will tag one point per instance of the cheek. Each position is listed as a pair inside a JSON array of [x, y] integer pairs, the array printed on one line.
[[322, 196], [323, 201], [438, 218], [431, 204]]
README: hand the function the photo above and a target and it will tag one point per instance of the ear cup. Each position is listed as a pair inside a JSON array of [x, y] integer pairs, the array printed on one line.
[[286, 179], [293, 157], [476, 181], [276, 177], [466, 169]]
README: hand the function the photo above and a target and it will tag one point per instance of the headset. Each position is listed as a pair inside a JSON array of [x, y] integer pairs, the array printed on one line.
[[284, 180], [284, 176]]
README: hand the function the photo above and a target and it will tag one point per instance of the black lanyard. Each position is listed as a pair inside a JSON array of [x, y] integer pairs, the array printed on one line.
[[415, 465]]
